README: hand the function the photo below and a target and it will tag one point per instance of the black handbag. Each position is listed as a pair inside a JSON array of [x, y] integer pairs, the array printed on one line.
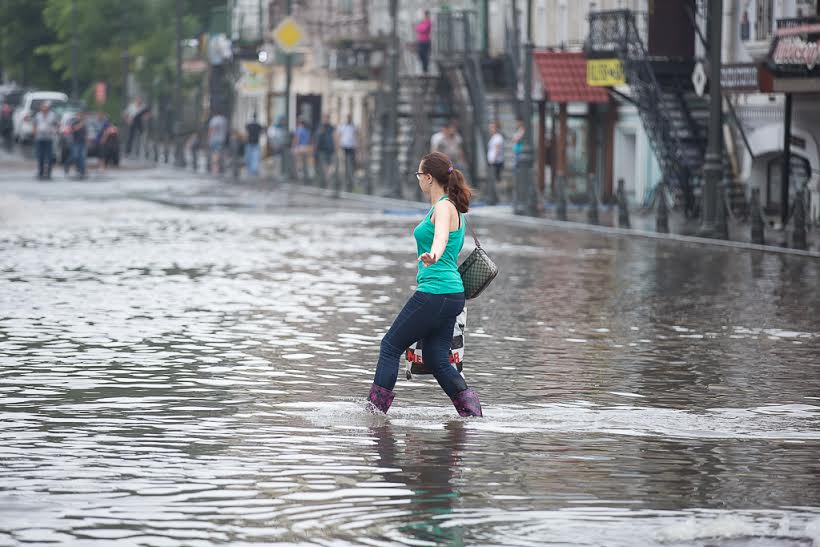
[[477, 270]]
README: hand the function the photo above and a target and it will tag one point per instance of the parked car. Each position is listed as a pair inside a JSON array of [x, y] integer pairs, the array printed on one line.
[[24, 115]]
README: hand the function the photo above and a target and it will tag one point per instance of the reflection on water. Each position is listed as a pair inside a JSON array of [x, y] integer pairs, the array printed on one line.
[[175, 374]]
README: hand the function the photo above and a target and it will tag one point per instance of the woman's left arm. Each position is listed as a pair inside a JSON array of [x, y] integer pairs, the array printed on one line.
[[443, 214]]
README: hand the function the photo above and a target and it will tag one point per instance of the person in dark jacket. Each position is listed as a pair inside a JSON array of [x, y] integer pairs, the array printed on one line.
[[324, 149]]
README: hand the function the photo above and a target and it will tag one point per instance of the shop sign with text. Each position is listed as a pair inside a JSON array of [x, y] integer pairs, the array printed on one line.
[[605, 72]]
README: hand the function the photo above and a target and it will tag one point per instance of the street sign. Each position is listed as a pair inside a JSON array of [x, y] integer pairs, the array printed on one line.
[[288, 34], [699, 79], [605, 72]]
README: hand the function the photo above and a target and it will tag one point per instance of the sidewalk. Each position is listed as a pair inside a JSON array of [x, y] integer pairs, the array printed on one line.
[[643, 222]]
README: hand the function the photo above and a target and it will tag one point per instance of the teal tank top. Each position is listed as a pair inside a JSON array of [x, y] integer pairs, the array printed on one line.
[[441, 277]]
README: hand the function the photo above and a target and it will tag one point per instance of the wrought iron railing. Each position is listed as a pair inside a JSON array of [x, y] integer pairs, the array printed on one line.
[[618, 32]]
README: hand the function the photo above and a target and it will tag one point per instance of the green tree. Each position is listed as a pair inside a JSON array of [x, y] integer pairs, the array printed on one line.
[[22, 30]]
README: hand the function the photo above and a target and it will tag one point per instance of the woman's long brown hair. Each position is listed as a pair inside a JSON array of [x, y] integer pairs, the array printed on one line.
[[451, 179]]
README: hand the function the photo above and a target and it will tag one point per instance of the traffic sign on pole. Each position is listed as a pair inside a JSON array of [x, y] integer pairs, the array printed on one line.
[[699, 79], [288, 34]]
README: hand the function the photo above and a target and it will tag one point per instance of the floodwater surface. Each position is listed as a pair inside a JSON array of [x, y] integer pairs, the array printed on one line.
[[186, 364]]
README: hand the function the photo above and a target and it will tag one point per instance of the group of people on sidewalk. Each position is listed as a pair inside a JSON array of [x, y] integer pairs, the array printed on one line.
[[314, 151], [46, 129]]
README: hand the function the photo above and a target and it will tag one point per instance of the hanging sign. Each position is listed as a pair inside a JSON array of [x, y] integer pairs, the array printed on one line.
[[605, 72]]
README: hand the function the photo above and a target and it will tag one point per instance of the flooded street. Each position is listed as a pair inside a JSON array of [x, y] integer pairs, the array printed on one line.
[[185, 363]]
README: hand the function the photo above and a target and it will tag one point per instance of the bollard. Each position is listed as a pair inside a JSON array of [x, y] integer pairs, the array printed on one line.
[[194, 157], [799, 216], [623, 210], [156, 152], [758, 224], [722, 220], [235, 160], [662, 214], [165, 150], [561, 210], [592, 192]]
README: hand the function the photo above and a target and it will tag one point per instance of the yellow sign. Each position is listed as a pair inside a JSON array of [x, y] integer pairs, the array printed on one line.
[[288, 34], [605, 72]]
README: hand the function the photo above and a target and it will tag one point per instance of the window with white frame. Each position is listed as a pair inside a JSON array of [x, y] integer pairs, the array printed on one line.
[[764, 19]]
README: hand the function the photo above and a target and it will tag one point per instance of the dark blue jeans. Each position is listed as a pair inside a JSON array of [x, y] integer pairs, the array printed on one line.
[[42, 148], [429, 318]]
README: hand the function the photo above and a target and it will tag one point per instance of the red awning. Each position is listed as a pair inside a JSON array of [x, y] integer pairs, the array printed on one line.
[[564, 76]]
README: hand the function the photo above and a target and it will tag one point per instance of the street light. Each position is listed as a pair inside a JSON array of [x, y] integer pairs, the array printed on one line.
[[389, 167], [713, 166], [525, 201], [74, 79], [179, 152]]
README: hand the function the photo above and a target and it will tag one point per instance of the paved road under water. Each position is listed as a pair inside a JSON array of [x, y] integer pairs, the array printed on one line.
[[184, 363]]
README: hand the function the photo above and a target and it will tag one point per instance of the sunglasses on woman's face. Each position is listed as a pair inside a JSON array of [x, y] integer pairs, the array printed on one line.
[[419, 174]]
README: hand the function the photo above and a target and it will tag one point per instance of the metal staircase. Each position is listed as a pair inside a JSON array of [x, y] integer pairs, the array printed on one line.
[[671, 113]]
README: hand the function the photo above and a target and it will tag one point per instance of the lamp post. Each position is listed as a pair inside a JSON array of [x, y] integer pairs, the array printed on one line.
[[525, 198], [179, 152], [389, 164], [287, 163], [74, 46], [713, 166], [125, 59]]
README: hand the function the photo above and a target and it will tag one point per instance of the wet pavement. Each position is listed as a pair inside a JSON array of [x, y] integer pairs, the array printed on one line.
[[184, 363]]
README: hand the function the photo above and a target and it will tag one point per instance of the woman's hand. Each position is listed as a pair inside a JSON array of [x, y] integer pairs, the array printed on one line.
[[428, 259]]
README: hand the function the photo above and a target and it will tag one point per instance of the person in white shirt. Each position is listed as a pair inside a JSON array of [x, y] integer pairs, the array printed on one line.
[[495, 161], [348, 142], [45, 130]]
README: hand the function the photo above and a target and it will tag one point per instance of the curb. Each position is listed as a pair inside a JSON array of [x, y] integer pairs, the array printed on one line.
[[562, 224]]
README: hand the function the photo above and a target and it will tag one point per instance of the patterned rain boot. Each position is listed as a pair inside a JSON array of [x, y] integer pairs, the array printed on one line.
[[380, 398], [467, 403]]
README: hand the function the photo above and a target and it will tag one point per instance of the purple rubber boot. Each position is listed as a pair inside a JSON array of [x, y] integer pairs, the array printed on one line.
[[467, 403], [380, 398]]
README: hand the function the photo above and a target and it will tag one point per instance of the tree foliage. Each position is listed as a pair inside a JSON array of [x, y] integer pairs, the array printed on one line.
[[37, 39]]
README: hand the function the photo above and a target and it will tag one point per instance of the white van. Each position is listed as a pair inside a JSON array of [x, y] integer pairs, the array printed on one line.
[[24, 115]]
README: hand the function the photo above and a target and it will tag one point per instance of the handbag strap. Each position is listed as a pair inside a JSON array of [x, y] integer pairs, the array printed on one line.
[[475, 238]]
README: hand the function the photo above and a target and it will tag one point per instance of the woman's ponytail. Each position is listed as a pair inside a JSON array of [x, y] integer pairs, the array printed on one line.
[[451, 179], [458, 191]]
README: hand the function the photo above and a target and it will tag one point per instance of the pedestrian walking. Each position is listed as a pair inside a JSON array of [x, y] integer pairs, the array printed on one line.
[[348, 142], [135, 115], [449, 142], [495, 161], [301, 149], [423, 32], [45, 130], [325, 149], [217, 135], [6, 124], [430, 314], [108, 143], [79, 134], [277, 144], [518, 139], [253, 130]]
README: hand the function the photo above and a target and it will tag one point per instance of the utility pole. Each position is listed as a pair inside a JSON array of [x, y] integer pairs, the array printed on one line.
[[74, 81], [525, 198], [389, 164], [713, 165], [286, 157], [179, 154], [125, 60]]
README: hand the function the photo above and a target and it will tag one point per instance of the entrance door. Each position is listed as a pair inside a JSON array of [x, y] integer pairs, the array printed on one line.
[[309, 109], [799, 172]]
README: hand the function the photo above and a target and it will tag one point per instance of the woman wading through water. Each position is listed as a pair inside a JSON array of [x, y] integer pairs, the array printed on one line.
[[431, 312]]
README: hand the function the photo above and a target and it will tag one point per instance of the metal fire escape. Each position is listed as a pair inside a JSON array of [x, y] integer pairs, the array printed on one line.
[[670, 112]]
